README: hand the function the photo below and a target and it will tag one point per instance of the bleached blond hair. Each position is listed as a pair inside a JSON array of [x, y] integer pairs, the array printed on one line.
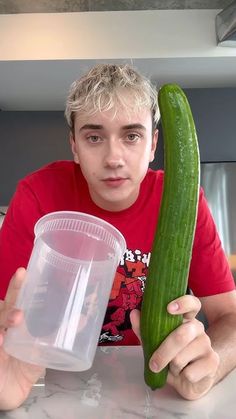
[[107, 85]]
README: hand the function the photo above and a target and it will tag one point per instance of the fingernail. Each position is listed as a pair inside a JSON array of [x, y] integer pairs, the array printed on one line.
[[153, 366], [173, 307]]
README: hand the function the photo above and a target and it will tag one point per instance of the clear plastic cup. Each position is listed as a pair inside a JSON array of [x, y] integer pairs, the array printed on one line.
[[64, 298]]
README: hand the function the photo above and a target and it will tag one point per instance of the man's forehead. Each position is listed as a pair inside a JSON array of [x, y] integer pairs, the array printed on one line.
[[121, 114]]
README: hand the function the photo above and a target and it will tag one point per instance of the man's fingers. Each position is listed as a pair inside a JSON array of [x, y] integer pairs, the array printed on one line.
[[188, 305], [179, 339], [199, 348]]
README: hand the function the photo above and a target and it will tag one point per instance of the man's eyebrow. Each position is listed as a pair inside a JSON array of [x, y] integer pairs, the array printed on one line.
[[134, 126], [124, 127], [91, 126]]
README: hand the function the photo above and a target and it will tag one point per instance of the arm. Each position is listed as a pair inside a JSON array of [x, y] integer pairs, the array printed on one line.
[[220, 311], [200, 358], [197, 360], [16, 377]]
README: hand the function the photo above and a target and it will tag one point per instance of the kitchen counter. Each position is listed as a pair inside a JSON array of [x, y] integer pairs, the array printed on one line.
[[114, 388]]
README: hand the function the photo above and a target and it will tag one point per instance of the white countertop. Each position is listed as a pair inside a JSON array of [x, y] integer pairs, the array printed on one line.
[[114, 388]]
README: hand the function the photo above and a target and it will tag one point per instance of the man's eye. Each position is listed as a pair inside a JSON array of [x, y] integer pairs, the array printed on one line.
[[94, 139], [133, 137]]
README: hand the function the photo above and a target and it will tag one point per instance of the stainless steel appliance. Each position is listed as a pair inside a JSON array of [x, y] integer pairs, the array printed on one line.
[[219, 183]]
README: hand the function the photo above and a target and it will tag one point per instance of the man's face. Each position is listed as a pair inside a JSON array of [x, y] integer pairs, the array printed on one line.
[[114, 153]]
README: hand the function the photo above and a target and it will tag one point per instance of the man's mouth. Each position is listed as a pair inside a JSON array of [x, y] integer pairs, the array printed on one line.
[[114, 181]]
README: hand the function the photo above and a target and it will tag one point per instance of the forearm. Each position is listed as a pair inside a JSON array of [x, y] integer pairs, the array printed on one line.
[[223, 339]]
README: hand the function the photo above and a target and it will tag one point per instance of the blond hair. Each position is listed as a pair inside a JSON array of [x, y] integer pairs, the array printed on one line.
[[103, 87]]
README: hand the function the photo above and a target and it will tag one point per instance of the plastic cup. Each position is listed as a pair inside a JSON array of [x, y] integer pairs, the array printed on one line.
[[64, 298]]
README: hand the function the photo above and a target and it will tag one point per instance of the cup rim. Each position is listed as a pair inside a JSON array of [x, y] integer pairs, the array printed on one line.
[[61, 214]]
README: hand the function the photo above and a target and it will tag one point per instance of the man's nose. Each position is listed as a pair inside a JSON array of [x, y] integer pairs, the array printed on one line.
[[114, 156]]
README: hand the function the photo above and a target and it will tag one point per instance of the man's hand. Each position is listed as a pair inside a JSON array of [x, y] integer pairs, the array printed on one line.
[[192, 361], [16, 377]]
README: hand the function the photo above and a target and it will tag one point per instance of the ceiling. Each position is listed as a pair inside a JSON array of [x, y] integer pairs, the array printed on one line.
[[64, 6], [31, 84]]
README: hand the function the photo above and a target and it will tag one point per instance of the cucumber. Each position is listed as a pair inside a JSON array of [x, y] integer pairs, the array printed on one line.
[[168, 271]]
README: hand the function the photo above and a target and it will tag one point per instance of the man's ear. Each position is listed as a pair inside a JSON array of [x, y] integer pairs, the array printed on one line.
[[154, 145], [73, 148]]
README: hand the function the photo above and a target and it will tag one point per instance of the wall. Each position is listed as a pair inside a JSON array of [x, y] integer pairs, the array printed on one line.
[[30, 139], [214, 116]]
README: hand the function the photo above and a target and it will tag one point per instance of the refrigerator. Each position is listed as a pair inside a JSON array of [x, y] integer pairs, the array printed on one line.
[[218, 180]]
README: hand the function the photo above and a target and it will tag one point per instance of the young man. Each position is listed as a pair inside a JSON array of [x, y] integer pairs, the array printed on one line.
[[112, 112]]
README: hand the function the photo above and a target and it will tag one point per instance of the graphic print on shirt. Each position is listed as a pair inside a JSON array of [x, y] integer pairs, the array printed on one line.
[[127, 291]]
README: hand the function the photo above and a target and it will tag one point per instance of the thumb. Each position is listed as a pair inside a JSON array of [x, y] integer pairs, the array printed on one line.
[[14, 287], [8, 304], [135, 322]]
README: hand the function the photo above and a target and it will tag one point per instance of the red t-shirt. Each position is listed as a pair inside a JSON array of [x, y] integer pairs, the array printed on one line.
[[61, 186]]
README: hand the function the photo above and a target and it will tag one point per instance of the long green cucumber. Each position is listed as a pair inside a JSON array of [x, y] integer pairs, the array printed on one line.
[[172, 247]]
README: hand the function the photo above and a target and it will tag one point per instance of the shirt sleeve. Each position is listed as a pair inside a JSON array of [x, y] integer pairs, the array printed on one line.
[[17, 233], [209, 271]]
